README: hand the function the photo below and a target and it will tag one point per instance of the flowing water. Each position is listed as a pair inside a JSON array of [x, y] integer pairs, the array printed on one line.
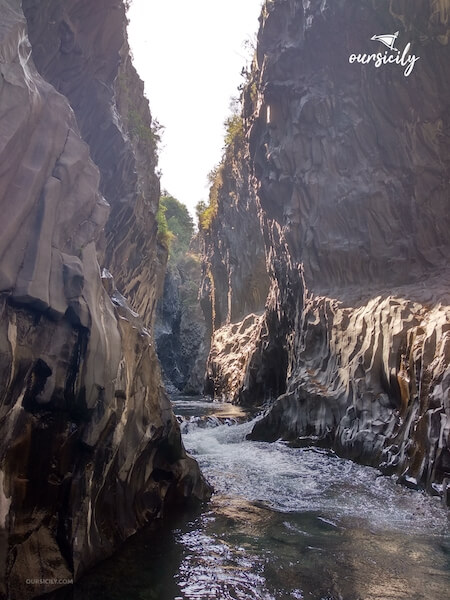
[[284, 523]]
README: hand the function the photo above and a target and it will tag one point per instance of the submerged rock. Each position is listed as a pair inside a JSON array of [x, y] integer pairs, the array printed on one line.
[[90, 450]]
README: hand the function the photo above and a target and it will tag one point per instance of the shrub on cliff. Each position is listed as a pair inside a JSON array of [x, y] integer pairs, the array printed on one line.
[[234, 138]]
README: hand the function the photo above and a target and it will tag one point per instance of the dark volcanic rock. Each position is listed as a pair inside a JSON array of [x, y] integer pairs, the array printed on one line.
[[353, 164], [180, 329], [82, 50], [167, 330], [90, 449], [235, 279], [352, 168]]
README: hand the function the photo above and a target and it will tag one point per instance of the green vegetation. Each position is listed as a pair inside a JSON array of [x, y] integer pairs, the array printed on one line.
[[234, 130], [175, 226], [142, 129], [139, 129], [206, 212], [200, 208], [165, 236], [175, 232], [234, 137]]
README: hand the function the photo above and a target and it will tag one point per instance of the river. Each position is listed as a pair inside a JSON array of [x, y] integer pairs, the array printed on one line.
[[284, 523]]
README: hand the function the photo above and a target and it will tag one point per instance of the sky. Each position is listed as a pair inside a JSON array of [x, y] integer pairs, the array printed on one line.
[[190, 55]]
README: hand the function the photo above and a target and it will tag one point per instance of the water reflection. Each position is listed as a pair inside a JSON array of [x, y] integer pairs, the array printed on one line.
[[187, 406], [303, 555], [285, 523], [145, 568]]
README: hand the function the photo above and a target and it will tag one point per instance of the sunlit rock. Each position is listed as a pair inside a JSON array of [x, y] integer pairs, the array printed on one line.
[[90, 450], [351, 168]]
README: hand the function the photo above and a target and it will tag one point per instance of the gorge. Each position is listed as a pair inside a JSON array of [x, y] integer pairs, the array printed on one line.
[[321, 332]]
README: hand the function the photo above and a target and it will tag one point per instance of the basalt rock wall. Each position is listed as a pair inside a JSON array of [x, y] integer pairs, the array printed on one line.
[[352, 169], [89, 448], [180, 329], [81, 48], [235, 281]]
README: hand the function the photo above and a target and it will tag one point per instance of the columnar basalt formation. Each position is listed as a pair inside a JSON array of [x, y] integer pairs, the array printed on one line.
[[235, 280], [89, 448], [352, 169]]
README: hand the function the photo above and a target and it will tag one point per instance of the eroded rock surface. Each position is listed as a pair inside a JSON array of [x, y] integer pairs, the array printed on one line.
[[232, 347], [351, 167], [235, 280], [180, 329], [89, 448], [82, 50]]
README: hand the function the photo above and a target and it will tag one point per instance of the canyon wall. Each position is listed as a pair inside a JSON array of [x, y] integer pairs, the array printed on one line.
[[90, 449], [180, 329], [351, 166], [235, 280]]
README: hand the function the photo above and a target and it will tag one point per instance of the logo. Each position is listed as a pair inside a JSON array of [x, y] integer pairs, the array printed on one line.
[[387, 39], [379, 59]]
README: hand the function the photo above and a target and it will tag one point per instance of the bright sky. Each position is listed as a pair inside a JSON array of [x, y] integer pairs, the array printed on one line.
[[190, 55]]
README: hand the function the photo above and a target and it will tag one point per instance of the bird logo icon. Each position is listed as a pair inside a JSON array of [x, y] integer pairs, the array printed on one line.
[[387, 39]]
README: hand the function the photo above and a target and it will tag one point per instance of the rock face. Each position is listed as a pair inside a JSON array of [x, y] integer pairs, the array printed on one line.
[[233, 346], [235, 280], [180, 330], [235, 277], [83, 52], [351, 166], [90, 450]]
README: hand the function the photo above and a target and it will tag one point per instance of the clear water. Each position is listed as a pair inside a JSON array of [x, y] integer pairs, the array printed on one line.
[[283, 523]]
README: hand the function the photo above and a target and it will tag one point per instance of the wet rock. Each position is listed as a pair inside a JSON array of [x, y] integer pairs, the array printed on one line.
[[87, 431], [232, 347]]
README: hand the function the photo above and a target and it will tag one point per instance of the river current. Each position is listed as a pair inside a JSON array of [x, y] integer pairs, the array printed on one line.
[[283, 523]]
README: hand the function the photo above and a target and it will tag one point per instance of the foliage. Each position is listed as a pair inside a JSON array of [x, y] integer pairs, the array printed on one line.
[[200, 208], [165, 236], [141, 131], [206, 217], [141, 127], [179, 224], [234, 137], [215, 181], [176, 226], [234, 129]]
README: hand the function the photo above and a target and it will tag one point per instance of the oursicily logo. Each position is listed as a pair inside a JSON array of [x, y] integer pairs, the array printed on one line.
[[379, 59]]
